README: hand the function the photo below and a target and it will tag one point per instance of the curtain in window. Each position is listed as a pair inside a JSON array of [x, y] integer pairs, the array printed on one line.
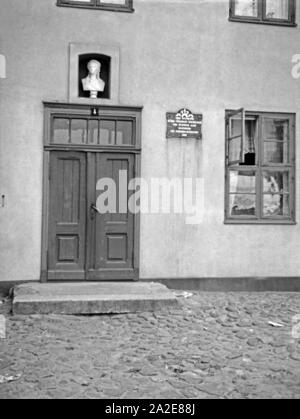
[[277, 9], [249, 146]]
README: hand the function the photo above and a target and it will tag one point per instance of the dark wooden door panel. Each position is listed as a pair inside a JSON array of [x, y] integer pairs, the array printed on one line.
[[67, 218], [112, 234]]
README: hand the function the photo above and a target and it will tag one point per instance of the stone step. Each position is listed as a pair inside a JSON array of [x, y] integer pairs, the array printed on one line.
[[91, 298]]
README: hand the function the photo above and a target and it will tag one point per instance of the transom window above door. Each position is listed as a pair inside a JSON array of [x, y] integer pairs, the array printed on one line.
[[280, 12], [113, 5], [92, 131], [260, 168], [70, 126]]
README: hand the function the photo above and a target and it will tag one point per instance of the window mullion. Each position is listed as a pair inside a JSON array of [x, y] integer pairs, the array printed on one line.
[[258, 193], [262, 7], [292, 11], [260, 142]]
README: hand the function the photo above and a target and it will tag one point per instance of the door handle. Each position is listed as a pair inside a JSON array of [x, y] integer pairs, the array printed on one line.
[[93, 210]]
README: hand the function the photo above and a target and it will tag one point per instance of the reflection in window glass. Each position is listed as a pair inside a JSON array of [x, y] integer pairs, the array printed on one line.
[[60, 131], [277, 9], [275, 152], [78, 131], [124, 132], [107, 132], [276, 130], [247, 8], [275, 182]]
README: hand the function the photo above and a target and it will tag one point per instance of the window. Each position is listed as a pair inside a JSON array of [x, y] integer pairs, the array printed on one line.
[[280, 12], [92, 131], [114, 5], [260, 168]]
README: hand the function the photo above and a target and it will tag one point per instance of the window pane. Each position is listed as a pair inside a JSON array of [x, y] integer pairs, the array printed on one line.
[[275, 129], [235, 137], [242, 205], [275, 182], [60, 133], [124, 132], [242, 182], [277, 9], [246, 8], [235, 150], [78, 131], [236, 127], [93, 131], [118, 2], [275, 152], [276, 205], [77, 1], [107, 132]]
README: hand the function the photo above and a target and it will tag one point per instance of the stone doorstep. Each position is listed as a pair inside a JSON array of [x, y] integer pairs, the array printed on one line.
[[91, 298]]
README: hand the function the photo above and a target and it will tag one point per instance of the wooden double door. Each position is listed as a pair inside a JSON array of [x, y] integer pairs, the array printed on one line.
[[83, 242]]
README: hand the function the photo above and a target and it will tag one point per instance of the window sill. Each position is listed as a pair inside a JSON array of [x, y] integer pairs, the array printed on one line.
[[103, 8], [259, 222], [263, 22]]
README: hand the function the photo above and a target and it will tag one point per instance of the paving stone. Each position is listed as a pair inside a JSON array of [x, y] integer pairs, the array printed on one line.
[[255, 342], [216, 345]]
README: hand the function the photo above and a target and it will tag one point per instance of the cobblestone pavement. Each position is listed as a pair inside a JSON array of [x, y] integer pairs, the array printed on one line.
[[215, 346]]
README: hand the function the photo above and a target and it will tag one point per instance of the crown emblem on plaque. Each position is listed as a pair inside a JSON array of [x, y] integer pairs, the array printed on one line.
[[185, 114]]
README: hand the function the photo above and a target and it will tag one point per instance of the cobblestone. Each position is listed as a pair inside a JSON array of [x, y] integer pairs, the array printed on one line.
[[217, 345]]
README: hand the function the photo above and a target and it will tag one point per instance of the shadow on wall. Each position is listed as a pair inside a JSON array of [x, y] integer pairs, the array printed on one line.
[[2, 67]]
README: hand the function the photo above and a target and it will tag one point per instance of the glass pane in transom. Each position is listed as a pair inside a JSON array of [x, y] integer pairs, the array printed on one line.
[[107, 132], [60, 131], [93, 131], [124, 132], [78, 131]]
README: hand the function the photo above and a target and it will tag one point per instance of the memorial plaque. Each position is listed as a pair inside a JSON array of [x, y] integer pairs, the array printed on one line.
[[184, 124]]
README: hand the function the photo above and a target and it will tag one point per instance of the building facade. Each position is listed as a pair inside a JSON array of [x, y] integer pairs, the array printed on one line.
[[234, 63]]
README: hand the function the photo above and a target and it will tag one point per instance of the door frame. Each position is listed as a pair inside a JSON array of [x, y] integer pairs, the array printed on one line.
[[52, 109]]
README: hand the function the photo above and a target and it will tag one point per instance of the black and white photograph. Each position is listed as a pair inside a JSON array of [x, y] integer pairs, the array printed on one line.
[[149, 202]]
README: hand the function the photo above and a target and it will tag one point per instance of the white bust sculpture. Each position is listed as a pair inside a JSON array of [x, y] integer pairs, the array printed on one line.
[[92, 82]]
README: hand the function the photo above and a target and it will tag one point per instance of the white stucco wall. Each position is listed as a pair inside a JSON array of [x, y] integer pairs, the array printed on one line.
[[174, 54]]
